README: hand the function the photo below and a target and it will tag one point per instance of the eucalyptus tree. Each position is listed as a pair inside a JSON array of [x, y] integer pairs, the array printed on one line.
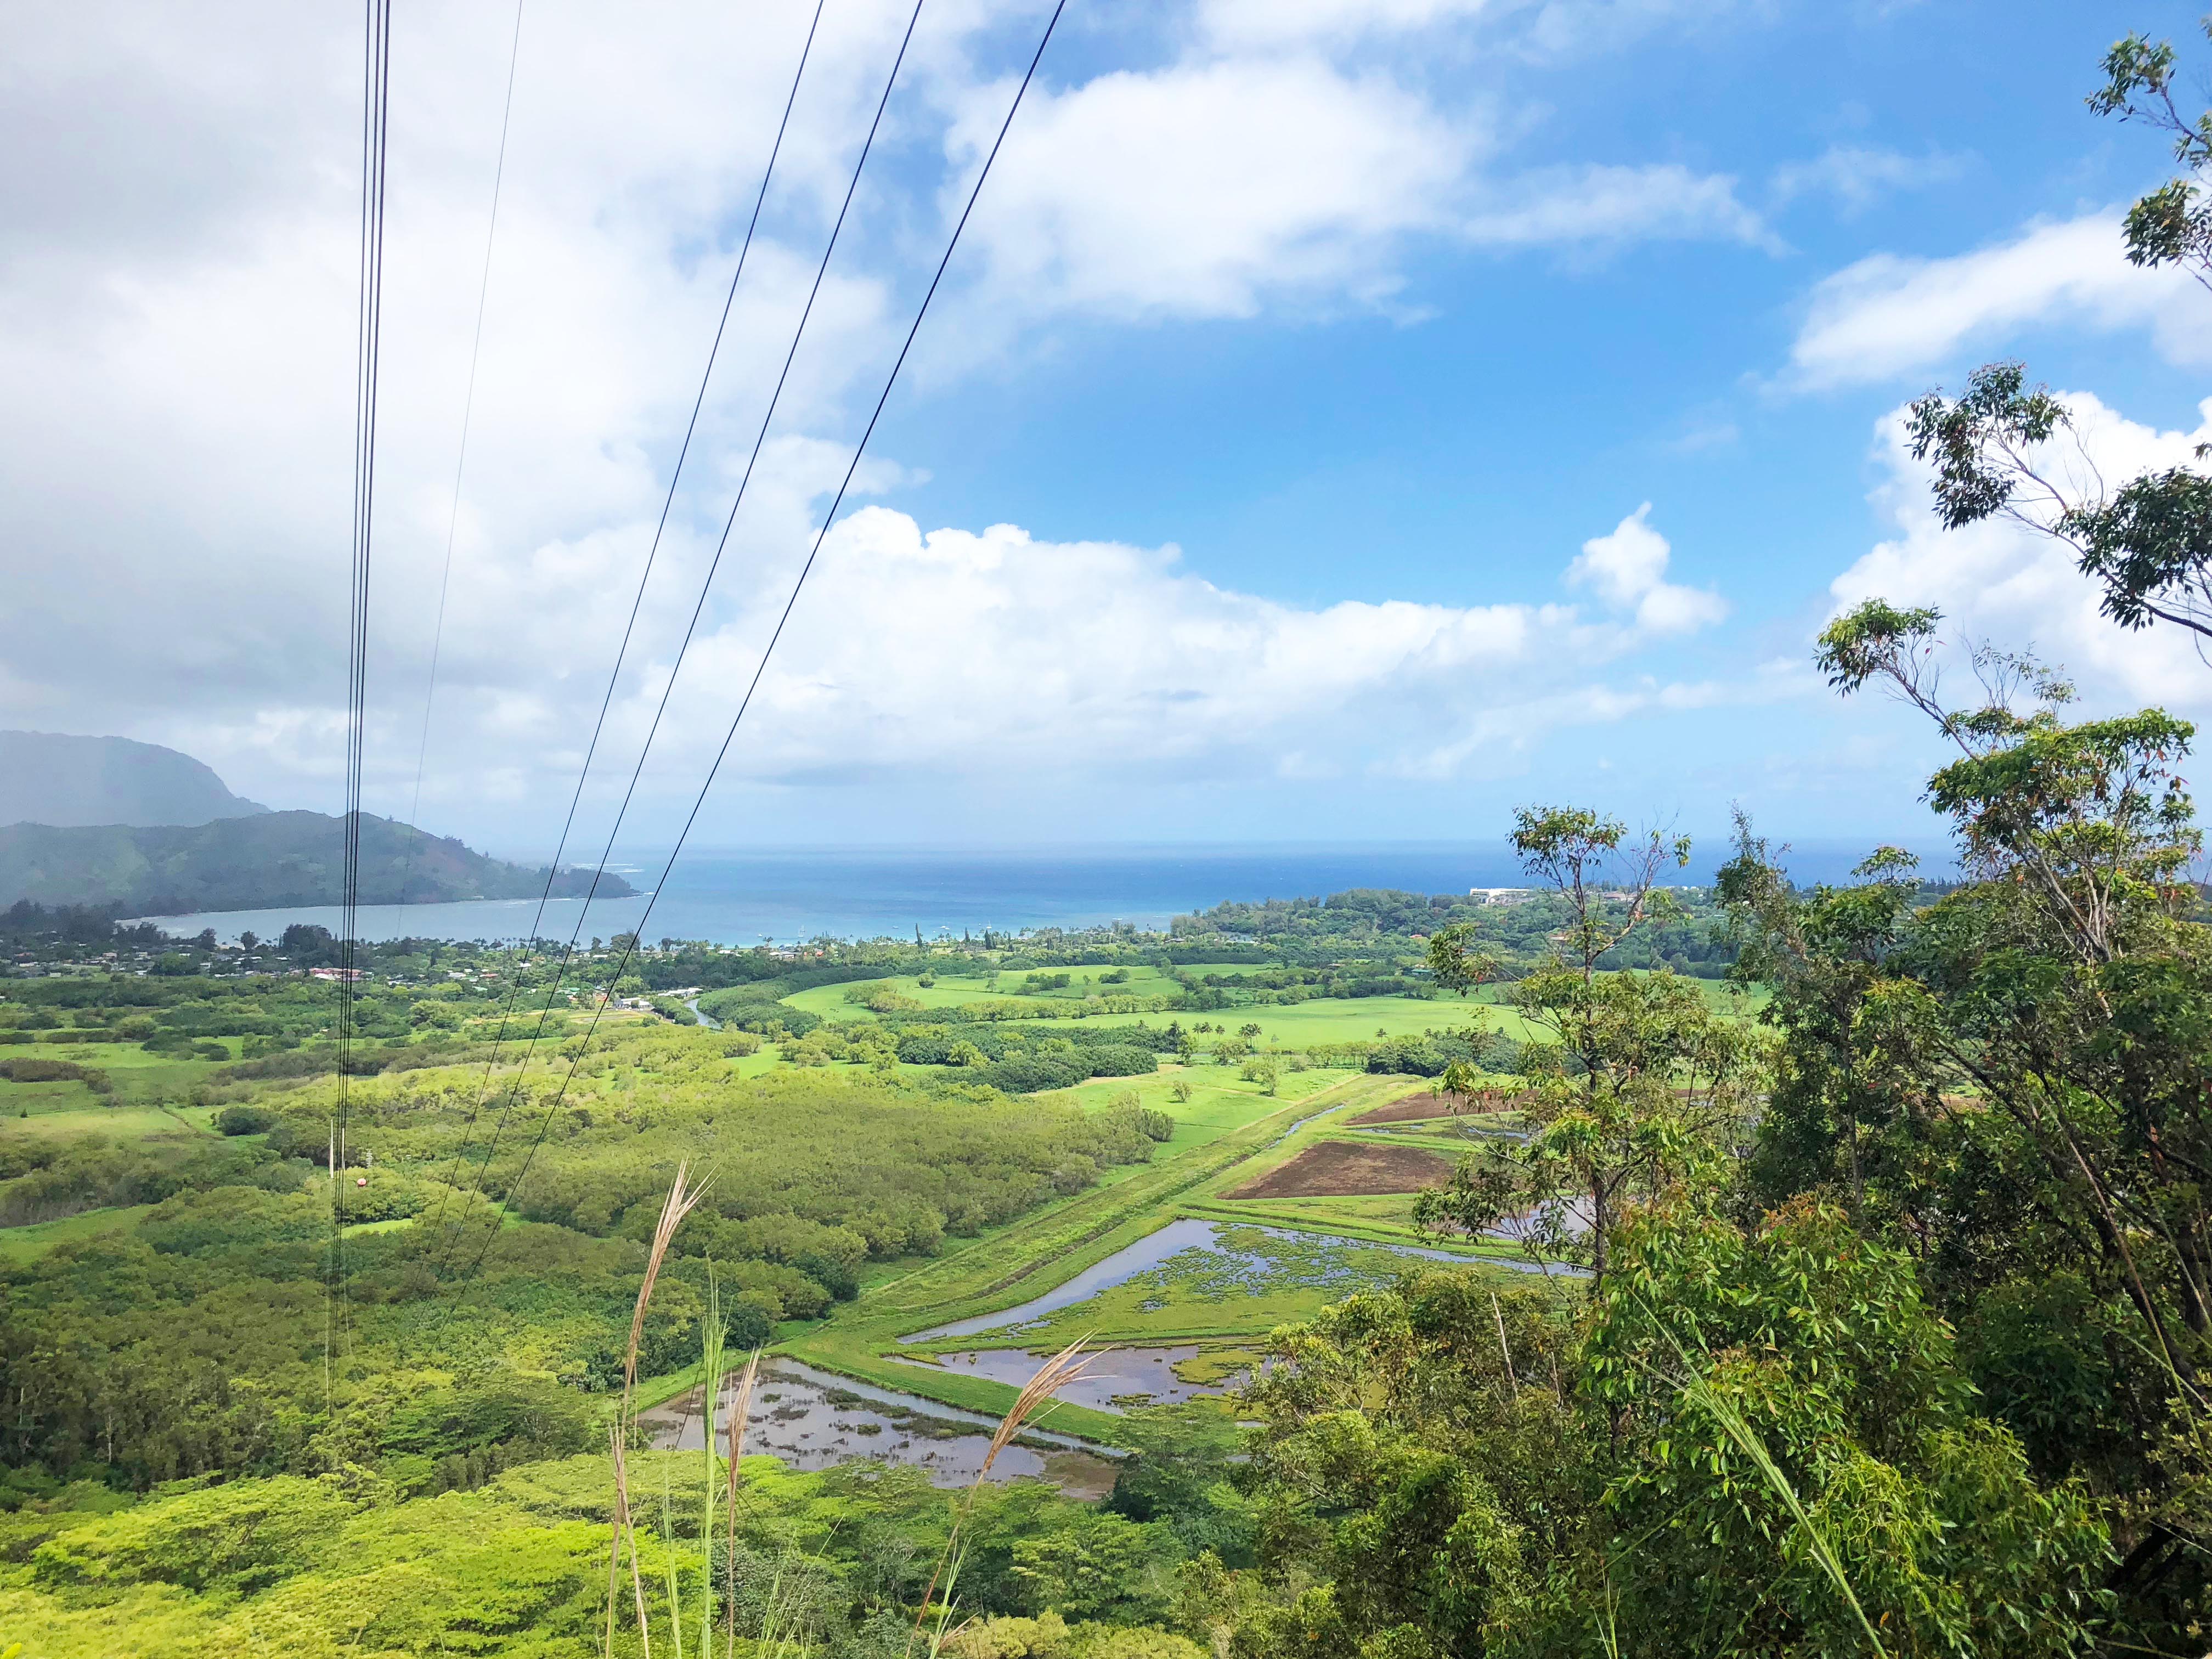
[[1634, 1079], [2005, 449], [2007, 1079]]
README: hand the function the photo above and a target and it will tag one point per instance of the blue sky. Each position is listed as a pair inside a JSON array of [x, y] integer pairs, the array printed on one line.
[[1319, 358]]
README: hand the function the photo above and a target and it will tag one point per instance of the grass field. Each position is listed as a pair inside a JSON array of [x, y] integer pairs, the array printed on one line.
[[18, 1244], [94, 1115], [1291, 1025], [951, 990], [1220, 1102]]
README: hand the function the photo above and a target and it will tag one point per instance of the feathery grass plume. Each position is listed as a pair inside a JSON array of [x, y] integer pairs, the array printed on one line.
[[681, 1199], [740, 1409], [1055, 1373], [680, 1203]]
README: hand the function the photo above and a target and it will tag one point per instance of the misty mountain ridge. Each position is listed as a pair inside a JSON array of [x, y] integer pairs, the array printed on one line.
[[105, 821], [65, 781], [271, 860]]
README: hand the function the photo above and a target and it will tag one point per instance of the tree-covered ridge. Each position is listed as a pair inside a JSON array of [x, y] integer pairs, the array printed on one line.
[[1692, 940], [267, 860]]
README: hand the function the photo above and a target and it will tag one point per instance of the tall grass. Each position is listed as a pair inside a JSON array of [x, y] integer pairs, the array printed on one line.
[[780, 1636], [740, 1409], [681, 1199], [1063, 1368]]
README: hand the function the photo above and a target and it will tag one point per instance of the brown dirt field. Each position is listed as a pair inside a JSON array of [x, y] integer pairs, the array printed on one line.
[[1418, 1108], [1336, 1169]]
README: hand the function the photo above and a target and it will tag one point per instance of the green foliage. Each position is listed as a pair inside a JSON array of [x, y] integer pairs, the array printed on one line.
[[273, 860], [241, 1538], [1821, 1343], [57, 1070], [1641, 1085], [2148, 543], [244, 1119]]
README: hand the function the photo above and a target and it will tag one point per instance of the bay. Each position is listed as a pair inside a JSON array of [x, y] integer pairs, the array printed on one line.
[[787, 894]]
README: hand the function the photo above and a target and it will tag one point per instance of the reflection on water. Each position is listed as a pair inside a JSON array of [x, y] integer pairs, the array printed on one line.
[[1209, 1238], [1123, 1265], [1115, 1381], [811, 1419]]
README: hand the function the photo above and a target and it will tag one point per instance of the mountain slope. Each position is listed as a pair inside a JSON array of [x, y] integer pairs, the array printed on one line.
[[270, 861], [46, 777]]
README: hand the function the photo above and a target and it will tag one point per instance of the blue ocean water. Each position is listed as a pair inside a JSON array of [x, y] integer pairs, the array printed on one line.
[[783, 895]]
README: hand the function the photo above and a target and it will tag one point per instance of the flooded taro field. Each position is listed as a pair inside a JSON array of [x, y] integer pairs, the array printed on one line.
[[812, 1419], [1117, 1379]]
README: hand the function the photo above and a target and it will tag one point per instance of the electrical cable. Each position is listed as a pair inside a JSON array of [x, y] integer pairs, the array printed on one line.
[[614, 675], [797, 586], [706, 585], [376, 107], [461, 462]]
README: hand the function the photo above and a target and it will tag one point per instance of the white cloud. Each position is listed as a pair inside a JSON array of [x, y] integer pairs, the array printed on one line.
[[1886, 315], [1590, 205], [1222, 187], [176, 297], [1999, 581], [995, 654], [1276, 23], [1536, 27], [1627, 569], [1858, 175], [1207, 190]]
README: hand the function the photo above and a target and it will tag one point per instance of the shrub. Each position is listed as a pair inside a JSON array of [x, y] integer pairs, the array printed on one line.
[[834, 1276], [1115, 1059], [237, 1538], [57, 1070], [1027, 1075], [244, 1119]]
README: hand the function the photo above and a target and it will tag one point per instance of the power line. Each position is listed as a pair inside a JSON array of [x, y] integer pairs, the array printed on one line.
[[461, 461], [797, 586], [614, 675], [376, 107], [698, 607]]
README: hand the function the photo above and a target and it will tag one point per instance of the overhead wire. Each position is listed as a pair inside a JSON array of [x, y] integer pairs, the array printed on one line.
[[461, 460], [621, 653], [376, 107], [706, 585], [768, 651]]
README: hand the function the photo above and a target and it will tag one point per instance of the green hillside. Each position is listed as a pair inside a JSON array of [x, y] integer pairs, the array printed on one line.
[[270, 860]]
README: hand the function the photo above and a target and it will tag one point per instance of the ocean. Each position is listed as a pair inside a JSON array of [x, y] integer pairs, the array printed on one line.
[[780, 895]]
